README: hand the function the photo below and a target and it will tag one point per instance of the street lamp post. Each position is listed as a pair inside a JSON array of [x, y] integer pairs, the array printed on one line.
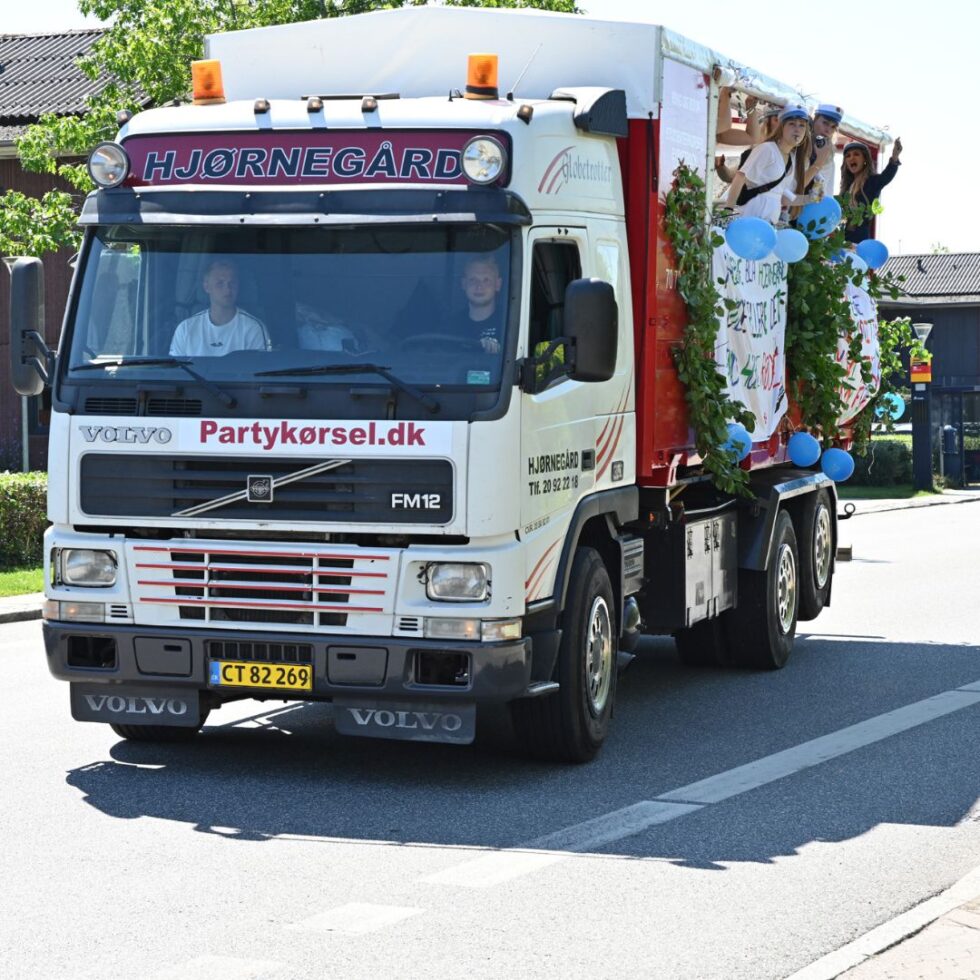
[[921, 419]]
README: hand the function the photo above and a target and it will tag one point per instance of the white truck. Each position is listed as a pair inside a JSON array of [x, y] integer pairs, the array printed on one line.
[[401, 499]]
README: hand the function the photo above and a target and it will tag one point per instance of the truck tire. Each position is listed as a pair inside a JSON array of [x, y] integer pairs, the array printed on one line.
[[762, 626], [571, 724], [159, 733], [816, 538], [704, 644]]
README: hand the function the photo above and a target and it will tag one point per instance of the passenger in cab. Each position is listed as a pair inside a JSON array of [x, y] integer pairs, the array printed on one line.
[[859, 184], [222, 327], [774, 175]]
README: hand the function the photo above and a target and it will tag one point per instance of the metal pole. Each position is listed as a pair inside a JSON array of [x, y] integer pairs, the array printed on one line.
[[921, 438], [25, 448]]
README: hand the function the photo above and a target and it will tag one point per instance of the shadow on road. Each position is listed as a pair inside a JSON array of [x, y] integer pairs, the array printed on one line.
[[674, 725]]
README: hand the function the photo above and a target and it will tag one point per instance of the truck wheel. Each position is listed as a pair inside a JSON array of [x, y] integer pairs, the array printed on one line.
[[704, 644], [816, 554], [159, 733], [762, 626], [571, 724]]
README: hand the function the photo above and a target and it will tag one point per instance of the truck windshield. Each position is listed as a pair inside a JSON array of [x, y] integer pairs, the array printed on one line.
[[429, 303]]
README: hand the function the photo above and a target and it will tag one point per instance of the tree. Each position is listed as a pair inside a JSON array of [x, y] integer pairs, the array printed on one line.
[[146, 52]]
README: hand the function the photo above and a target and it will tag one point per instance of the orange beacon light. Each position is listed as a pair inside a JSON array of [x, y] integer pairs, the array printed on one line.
[[207, 84], [481, 77]]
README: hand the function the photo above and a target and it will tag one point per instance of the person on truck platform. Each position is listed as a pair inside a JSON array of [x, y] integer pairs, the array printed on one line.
[[222, 327], [769, 122], [859, 184], [826, 121], [481, 282], [774, 174]]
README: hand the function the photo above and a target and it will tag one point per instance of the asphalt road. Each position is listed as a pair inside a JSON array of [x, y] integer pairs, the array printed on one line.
[[272, 847]]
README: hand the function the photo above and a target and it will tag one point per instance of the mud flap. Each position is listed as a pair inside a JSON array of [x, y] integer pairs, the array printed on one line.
[[134, 705], [412, 721]]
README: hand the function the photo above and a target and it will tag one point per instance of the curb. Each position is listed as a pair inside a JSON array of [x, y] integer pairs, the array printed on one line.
[[892, 932], [904, 505], [19, 616]]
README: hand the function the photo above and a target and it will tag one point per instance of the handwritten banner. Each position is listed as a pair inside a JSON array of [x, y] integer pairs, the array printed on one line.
[[750, 347], [855, 394]]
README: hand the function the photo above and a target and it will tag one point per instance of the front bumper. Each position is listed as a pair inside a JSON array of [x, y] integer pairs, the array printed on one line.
[[179, 658]]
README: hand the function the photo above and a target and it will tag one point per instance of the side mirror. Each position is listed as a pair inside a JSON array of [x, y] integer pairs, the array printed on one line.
[[29, 354], [592, 324]]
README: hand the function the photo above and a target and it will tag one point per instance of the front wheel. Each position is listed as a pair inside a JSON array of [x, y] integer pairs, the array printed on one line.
[[761, 628], [571, 724]]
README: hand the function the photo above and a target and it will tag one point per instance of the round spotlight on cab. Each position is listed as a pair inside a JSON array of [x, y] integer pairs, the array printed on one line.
[[484, 160], [108, 165]]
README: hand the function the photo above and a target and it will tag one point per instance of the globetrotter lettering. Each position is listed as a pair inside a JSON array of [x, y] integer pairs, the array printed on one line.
[[280, 434]]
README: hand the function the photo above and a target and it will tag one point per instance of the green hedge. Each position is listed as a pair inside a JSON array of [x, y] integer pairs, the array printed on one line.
[[23, 518], [888, 462]]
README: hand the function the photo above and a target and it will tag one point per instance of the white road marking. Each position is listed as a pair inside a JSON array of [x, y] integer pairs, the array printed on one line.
[[818, 750], [355, 919], [497, 866], [506, 864], [220, 968]]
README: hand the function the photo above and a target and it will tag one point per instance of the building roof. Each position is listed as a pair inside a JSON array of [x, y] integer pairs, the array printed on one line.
[[39, 74], [945, 279]]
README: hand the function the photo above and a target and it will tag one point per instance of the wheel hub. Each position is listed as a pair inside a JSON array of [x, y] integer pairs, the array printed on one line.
[[822, 538], [785, 588], [598, 656]]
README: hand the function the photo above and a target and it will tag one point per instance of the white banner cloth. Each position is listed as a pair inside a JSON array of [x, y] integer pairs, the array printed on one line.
[[751, 342], [855, 394]]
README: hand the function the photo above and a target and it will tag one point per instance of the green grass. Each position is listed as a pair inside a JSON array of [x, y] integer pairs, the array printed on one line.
[[20, 581], [898, 491]]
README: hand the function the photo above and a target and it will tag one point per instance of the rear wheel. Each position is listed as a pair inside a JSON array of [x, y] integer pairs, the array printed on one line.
[[761, 628], [571, 724], [159, 733], [816, 539]]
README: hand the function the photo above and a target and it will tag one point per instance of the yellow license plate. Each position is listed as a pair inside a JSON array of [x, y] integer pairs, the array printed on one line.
[[280, 677]]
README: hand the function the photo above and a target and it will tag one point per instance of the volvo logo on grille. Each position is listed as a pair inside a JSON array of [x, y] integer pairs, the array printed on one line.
[[258, 489]]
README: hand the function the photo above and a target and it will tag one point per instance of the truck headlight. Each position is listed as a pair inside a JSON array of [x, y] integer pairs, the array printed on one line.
[[483, 160], [457, 581], [108, 164], [82, 566]]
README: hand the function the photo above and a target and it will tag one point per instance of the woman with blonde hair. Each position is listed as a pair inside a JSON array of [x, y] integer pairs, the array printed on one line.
[[774, 175], [860, 185]]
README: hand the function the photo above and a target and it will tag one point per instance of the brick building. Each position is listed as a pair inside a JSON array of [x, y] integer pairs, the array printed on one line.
[[38, 75]]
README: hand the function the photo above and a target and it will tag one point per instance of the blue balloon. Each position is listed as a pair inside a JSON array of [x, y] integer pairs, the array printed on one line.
[[750, 238], [837, 464], [856, 262], [819, 219], [803, 449], [791, 245], [873, 252], [739, 442], [891, 404]]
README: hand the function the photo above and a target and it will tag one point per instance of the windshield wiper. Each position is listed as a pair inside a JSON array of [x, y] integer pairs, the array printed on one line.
[[427, 401], [222, 396]]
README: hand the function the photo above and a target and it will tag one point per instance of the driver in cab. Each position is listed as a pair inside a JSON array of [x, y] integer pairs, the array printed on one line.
[[222, 327], [481, 320]]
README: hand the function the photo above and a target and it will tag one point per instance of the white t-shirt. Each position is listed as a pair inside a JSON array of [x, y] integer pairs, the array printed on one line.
[[197, 336], [764, 164], [829, 174]]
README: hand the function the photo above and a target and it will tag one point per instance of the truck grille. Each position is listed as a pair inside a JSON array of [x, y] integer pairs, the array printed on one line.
[[361, 491], [244, 650], [235, 586]]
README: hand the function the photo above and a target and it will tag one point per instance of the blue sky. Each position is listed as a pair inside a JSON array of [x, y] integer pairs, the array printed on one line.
[[906, 66]]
